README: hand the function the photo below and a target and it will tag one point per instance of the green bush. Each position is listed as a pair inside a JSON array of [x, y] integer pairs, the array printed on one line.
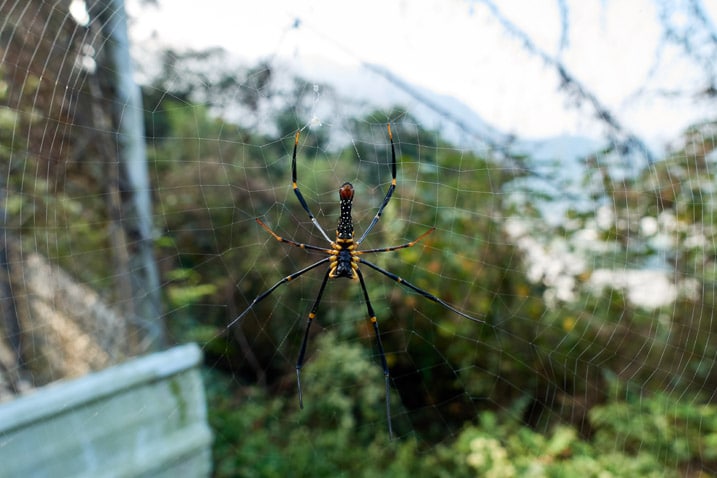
[[341, 431]]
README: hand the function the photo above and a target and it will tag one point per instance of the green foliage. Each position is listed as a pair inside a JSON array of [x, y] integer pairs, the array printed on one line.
[[340, 432], [675, 429], [508, 449]]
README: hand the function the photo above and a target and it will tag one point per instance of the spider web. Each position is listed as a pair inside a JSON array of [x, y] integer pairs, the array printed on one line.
[[591, 274]]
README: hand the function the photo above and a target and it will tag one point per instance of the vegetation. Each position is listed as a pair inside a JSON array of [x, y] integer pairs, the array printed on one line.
[[598, 385]]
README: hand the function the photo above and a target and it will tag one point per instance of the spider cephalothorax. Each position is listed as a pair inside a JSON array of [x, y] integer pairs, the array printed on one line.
[[343, 258], [345, 229]]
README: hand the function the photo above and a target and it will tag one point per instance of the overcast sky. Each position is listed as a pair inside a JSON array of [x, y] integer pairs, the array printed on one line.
[[454, 48]]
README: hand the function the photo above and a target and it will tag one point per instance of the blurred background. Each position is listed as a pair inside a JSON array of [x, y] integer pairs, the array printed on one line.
[[563, 152]]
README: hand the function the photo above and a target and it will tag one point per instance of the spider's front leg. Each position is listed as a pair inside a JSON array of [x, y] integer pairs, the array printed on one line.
[[300, 196], [389, 193]]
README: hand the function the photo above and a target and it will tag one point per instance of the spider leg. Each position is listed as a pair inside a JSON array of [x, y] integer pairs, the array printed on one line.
[[420, 291], [389, 193], [271, 289], [290, 242], [384, 364], [402, 246], [302, 351], [300, 196]]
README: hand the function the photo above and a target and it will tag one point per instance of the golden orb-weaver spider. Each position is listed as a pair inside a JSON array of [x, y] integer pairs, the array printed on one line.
[[343, 258]]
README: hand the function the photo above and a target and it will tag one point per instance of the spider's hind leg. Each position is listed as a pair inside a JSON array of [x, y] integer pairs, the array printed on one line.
[[384, 364], [302, 350]]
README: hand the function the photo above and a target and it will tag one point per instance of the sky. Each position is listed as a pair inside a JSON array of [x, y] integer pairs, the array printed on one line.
[[454, 48]]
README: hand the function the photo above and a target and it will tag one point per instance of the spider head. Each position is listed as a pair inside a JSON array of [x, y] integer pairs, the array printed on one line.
[[346, 192]]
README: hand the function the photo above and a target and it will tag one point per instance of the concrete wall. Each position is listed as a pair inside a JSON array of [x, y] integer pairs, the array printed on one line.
[[146, 417]]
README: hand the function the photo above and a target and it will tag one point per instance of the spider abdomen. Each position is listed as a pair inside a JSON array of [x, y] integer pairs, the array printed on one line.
[[344, 263]]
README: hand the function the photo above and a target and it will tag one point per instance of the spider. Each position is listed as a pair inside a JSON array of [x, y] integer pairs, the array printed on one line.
[[343, 258]]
